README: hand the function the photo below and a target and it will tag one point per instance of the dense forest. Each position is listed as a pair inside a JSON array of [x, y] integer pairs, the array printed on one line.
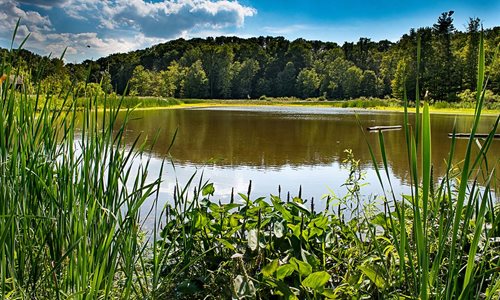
[[232, 67]]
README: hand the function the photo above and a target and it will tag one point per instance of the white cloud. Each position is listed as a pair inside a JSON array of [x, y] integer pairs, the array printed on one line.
[[165, 19], [116, 25], [10, 13]]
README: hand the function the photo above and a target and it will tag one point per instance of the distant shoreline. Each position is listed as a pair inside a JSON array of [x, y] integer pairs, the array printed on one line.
[[207, 103]]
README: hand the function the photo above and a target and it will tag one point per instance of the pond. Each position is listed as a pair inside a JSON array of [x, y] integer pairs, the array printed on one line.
[[290, 147]]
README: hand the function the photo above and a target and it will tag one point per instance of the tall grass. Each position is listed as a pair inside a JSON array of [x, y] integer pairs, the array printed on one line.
[[69, 202], [446, 230]]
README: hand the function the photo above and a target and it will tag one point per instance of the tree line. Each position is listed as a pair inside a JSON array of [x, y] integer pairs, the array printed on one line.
[[232, 67]]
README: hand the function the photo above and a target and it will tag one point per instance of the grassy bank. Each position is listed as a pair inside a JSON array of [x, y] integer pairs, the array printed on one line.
[[70, 225], [136, 102], [370, 104]]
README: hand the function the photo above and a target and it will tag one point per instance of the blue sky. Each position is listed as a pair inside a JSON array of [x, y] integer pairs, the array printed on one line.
[[90, 29]]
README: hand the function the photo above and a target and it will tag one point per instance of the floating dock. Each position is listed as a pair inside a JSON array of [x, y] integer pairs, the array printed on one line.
[[382, 128], [477, 135]]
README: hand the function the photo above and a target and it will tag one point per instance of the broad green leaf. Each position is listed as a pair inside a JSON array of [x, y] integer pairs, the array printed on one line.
[[208, 190], [295, 229], [234, 220], [302, 267], [279, 207], [314, 231], [316, 280], [374, 276], [253, 242], [214, 208], [201, 220], [320, 222], [245, 197], [226, 244], [329, 293], [229, 206], [269, 269], [380, 220], [284, 271], [285, 291]]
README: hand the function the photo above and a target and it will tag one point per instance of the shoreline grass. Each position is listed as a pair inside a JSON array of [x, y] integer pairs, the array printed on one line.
[[362, 104], [188, 103]]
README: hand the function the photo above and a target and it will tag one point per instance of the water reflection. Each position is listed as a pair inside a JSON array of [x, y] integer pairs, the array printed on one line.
[[269, 138], [287, 147]]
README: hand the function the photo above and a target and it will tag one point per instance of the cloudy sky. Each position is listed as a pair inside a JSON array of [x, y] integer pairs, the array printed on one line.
[[90, 29]]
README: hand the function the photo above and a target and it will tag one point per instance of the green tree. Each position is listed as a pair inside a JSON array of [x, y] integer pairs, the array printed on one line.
[[190, 57], [145, 82], [494, 76], [137, 84], [333, 77], [286, 80], [89, 90], [196, 82], [404, 76], [217, 61], [307, 83], [222, 80], [471, 54], [369, 86], [444, 70], [300, 54], [172, 80], [244, 74], [55, 84], [388, 67], [352, 81], [106, 82]]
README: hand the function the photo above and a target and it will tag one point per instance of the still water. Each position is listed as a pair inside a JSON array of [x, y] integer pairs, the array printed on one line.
[[288, 147]]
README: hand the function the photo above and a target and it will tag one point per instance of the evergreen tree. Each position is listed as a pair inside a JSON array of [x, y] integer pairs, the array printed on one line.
[[445, 75], [471, 54]]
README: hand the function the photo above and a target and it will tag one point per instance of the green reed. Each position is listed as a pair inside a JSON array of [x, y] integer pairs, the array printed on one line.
[[444, 243], [70, 201]]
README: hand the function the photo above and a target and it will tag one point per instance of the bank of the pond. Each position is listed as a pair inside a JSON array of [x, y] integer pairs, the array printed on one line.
[[155, 103], [148, 103]]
